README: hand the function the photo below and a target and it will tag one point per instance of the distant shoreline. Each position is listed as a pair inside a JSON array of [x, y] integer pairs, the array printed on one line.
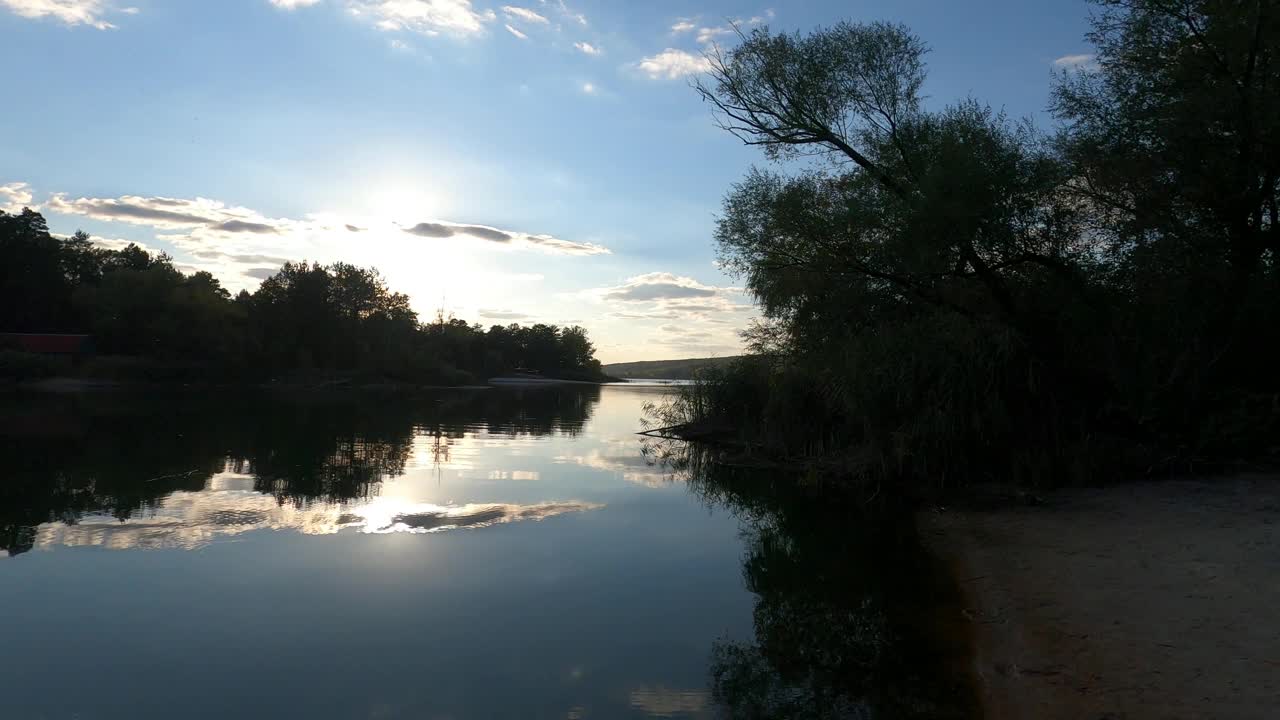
[[78, 384]]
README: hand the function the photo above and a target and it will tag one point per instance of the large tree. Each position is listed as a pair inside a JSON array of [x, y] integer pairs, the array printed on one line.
[[1172, 133], [955, 291], [953, 209]]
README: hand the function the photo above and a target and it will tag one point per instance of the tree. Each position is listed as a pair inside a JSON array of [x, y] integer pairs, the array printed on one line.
[[577, 351], [884, 220], [1174, 144], [331, 319], [82, 261], [34, 291], [950, 293]]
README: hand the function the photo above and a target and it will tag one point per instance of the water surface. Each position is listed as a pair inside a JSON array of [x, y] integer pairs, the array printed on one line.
[[502, 553], [472, 554]]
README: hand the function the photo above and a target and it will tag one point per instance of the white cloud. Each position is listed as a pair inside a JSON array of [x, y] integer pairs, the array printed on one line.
[[121, 243], [697, 319], [709, 34], [489, 314], [525, 14], [589, 88], [655, 286], [546, 243], [427, 17], [657, 315], [71, 12], [1082, 61], [574, 16], [14, 197], [516, 32], [588, 48], [169, 213], [214, 231], [683, 25], [672, 64], [113, 243]]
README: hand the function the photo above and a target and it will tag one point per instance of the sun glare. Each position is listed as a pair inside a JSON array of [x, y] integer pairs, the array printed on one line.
[[403, 202]]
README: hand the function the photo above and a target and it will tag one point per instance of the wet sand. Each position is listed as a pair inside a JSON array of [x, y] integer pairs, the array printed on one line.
[[1152, 600]]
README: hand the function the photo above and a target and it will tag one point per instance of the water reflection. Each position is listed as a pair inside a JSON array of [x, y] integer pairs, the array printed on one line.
[[621, 457], [177, 470], [849, 609], [230, 505], [666, 703], [467, 555], [566, 574]]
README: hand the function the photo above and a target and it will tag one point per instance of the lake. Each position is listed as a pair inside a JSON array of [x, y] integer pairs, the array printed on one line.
[[503, 553]]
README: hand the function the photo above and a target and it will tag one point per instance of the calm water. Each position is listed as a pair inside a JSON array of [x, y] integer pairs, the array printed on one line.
[[470, 554]]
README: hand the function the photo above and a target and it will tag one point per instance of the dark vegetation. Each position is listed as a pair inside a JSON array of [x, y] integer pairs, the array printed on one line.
[[306, 323], [665, 369], [952, 296], [852, 618]]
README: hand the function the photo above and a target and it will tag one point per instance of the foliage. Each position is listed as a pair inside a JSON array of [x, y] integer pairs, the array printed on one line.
[[307, 322], [952, 296]]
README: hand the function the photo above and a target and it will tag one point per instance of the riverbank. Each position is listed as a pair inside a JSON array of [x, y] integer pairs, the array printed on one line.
[[1151, 600], [77, 384], [82, 384]]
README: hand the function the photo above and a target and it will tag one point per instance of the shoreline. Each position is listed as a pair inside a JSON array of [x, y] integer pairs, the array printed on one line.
[[77, 384], [1158, 599]]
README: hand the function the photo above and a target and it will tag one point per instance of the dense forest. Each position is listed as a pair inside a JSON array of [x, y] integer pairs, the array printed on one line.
[[951, 295], [149, 321]]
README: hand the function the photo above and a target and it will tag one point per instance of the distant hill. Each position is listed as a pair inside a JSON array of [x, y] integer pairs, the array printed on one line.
[[664, 369]]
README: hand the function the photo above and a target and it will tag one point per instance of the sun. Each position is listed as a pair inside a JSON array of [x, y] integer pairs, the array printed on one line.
[[403, 202]]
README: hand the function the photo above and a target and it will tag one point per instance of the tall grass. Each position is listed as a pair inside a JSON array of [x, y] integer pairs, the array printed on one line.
[[934, 403]]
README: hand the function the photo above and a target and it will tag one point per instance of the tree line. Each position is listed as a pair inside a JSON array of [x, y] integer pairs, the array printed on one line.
[[951, 295], [151, 321]]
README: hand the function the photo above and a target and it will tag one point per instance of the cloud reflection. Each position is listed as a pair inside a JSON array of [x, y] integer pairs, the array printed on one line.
[[229, 506], [623, 458]]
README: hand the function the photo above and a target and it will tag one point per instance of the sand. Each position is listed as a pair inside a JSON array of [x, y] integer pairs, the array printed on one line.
[[1152, 600]]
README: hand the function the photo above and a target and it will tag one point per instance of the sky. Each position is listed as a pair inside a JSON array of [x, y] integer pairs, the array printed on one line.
[[545, 161]]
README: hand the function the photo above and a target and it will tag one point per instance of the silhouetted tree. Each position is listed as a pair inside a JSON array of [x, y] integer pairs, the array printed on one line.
[[950, 295], [34, 289]]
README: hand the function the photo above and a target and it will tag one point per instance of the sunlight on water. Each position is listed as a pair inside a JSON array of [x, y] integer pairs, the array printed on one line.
[[229, 506], [501, 553]]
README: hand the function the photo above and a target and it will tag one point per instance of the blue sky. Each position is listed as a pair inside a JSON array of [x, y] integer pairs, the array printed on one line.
[[539, 161]]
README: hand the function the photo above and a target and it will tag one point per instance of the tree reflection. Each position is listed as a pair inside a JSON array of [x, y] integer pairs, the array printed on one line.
[[846, 618], [68, 457]]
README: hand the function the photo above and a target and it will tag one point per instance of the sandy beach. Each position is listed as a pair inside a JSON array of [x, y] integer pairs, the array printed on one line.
[[1151, 600]]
